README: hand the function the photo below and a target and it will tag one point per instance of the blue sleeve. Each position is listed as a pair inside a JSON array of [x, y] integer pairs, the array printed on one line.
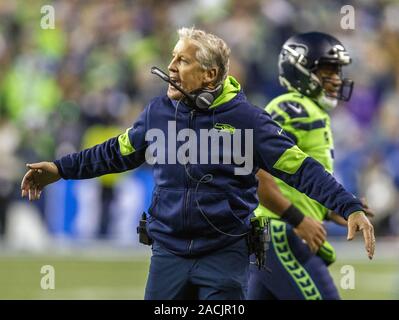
[[118, 154], [277, 154]]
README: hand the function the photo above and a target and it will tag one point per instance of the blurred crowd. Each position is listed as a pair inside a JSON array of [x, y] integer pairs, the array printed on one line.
[[87, 79]]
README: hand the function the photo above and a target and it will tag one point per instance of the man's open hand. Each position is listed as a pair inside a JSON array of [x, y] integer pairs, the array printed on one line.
[[38, 176], [358, 221], [313, 232]]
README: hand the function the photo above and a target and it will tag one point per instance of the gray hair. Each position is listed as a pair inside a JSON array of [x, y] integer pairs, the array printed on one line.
[[212, 51]]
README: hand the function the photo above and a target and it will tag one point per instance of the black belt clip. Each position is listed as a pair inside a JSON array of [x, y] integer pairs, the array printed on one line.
[[259, 239], [144, 238]]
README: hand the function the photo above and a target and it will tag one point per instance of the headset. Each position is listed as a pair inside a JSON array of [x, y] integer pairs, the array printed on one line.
[[200, 99]]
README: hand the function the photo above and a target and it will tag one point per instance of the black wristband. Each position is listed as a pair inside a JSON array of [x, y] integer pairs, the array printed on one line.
[[293, 216]]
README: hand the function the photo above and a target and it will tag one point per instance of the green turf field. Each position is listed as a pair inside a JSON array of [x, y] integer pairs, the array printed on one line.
[[75, 278], [124, 277], [373, 279]]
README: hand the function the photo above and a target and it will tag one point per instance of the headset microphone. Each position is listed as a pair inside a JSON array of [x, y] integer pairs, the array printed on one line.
[[166, 78], [201, 99]]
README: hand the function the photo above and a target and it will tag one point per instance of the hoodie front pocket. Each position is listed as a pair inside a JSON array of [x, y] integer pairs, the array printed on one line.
[[167, 209], [217, 212]]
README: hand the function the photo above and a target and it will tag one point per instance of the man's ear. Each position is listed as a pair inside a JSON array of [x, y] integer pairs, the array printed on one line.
[[209, 78]]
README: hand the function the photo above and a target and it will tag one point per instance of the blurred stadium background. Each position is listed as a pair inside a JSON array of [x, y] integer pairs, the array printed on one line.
[[71, 87]]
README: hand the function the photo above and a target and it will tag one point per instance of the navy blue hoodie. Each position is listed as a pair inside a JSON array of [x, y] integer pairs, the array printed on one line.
[[198, 208]]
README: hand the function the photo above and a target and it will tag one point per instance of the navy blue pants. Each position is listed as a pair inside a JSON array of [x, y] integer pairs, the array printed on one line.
[[293, 272], [220, 275]]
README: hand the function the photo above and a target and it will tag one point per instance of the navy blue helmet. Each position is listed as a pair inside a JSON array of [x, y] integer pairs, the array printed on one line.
[[300, 57]]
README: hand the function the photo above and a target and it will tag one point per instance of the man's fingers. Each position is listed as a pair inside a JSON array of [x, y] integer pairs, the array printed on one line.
[[371, 255], [358, 221], [35, 193], [322, 231], [307, 240], [322, 234], [25, 180], [38, 193], [314, 243], [369, 240], [351, 231], [28, 180], [313, 247], [319, 242], [321, 239], [35, 166], [31, 185]]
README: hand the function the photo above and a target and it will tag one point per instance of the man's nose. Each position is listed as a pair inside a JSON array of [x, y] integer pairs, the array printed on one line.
[[172, 65], [337, 79]]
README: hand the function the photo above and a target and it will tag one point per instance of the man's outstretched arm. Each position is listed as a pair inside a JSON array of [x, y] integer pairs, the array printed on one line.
[[118, 154]]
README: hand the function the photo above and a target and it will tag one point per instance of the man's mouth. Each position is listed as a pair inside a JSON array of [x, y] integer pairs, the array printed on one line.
[[333, 94], [175, 80]]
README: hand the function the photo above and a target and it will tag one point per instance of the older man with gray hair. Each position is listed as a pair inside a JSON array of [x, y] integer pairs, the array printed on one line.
[[203, 201]]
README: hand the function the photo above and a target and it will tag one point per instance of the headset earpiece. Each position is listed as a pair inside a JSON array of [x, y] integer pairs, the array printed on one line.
[[204, 98]]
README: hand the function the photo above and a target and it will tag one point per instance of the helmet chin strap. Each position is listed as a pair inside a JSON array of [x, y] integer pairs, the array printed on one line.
[[326, 103]]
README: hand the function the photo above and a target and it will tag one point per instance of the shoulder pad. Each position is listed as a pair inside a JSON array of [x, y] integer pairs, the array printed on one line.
[[293, 109]]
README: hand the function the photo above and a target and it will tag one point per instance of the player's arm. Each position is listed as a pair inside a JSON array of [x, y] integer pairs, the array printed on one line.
[[270, 196], [118, 154], [279, 156]]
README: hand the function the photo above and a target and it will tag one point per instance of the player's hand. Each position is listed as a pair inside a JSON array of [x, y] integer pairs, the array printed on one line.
[[312, 232], [38, 176], [358, 221]]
